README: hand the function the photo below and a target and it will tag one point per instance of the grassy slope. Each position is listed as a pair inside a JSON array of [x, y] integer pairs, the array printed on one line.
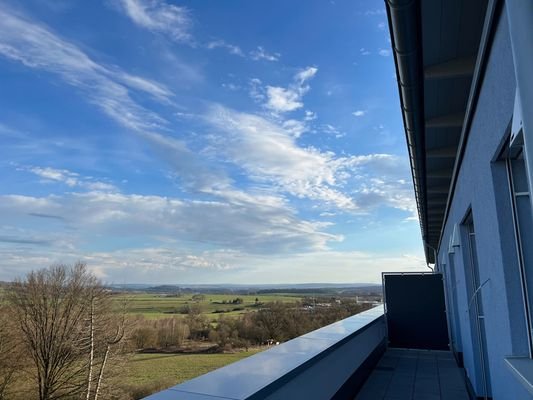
[[153, 372]]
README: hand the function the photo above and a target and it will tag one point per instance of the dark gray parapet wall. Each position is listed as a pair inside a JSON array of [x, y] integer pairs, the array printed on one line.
[[331, 362]]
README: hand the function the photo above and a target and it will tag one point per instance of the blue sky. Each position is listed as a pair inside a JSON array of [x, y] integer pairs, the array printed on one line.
[[203, 142]]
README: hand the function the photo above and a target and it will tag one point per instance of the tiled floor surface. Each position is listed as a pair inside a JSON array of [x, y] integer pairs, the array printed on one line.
[[415, 375]]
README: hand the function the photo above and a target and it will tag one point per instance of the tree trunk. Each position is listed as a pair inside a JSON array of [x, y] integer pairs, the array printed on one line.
[[91, 352], [101, 374]]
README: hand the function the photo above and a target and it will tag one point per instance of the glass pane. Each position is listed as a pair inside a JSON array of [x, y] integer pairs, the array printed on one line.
[[519, 175], [525, 228]]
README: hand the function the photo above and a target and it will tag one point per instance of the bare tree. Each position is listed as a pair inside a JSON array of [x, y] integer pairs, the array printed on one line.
[[64, 316]]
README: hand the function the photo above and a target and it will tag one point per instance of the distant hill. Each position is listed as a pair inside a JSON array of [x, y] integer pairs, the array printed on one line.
[[301, 288]]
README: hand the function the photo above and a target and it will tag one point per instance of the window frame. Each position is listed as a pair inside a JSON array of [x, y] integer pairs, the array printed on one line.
[[514, 150]]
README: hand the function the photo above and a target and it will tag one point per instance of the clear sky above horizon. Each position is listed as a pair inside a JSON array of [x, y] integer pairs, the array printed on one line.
[[203, 141]]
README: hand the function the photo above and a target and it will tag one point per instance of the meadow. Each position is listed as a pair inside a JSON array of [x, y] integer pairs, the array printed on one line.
[[153, 306], [147, 373]]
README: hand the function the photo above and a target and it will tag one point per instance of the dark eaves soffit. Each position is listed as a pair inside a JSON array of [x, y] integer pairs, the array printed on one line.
[[435, 44]]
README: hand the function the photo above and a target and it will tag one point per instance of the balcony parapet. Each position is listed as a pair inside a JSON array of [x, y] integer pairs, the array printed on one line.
[[330, 362]]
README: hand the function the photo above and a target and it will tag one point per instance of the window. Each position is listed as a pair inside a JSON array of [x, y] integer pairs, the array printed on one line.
[[452, 287], [475, 306], [523, 223]]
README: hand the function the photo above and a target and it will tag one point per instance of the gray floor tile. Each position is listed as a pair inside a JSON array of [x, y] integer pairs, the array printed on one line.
[[415, 375]]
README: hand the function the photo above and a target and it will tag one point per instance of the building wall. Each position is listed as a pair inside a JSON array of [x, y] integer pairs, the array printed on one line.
[[482, 188]]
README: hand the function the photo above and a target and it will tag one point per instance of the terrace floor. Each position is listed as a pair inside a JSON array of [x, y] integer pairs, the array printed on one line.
[[403, 374]]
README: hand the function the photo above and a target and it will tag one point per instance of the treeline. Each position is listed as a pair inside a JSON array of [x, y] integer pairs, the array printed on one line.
[[273, 322]]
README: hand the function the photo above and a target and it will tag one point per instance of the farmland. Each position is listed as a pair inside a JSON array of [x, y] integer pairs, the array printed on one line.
[[154, 306]]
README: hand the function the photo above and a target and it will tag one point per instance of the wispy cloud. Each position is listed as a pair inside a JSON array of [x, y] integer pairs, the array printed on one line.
[[332, 130], [70, 179], [384, 52], [231, 86], [256, 90], [381, 180], [359, 113], [281, 100], [221, 44], [9, 132], [261, 54], [161, 17], [51, 174], [364, 52], [37, 47], [107, 88], [186, 165]]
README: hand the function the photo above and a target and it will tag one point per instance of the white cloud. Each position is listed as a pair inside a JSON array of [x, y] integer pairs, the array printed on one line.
[[305, 74], [232, 49], [158, 16], [364, 52], [294, 127], [70, 179], [384, 52], [381, 180], [261, 54], [257, 92], [359, 113], [165, 264], [231, 86], [332, 130], [342, 266], [51, 174], [268, 152], [155, 89], [283, 99], [381, 26], [142, 265], [288, 99], [255, 223], [310, 115]]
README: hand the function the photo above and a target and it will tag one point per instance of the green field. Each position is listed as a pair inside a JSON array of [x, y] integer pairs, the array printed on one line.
[[164, 306], [147, 373]]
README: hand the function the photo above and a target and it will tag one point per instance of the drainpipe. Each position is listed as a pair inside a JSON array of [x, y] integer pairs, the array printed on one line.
[[436, 268], [520, 17]]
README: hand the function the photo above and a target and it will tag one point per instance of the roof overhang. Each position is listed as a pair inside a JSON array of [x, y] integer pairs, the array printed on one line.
[[435, 46]]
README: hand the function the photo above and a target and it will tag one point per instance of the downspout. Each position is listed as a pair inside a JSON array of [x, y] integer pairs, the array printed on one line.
[[436, 265]]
